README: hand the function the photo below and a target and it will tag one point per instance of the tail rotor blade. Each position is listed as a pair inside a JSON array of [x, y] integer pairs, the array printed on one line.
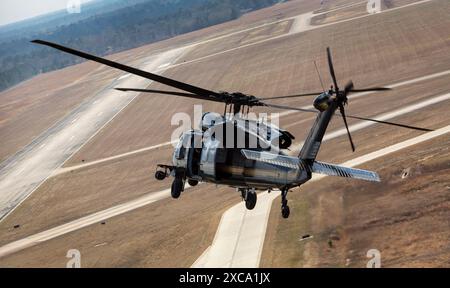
[[333, 74], [390, 123], [341, 107]]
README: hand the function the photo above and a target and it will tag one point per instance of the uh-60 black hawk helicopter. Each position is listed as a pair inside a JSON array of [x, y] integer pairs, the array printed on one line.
[[201, 156]]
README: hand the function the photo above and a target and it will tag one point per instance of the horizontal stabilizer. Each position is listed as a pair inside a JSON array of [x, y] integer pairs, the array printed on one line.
[[275, 159], [335, 170], [317, 167]]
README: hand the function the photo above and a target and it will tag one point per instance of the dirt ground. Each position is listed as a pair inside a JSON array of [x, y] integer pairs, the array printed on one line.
[[157, 235], [164, 234], [240, 39], [84, 192], [406, 217], [339, 15], [354, 10]]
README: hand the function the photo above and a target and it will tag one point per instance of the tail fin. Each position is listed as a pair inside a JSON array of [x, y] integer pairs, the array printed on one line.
[[314, 140]]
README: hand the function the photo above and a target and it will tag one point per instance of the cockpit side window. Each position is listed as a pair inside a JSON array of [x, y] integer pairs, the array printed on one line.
[[185, 143], [180, 153]]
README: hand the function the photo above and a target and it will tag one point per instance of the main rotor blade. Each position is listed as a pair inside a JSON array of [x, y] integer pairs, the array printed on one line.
[[181, 94], [333, 74], [349, 116], [374, 89], [390, 123], [287, 108], [292, 96], [342, 109], [349, 87], [148, 75]]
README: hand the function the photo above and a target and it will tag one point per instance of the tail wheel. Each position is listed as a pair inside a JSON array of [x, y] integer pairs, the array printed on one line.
[[285, 212], [250, 200], [285, 142], [177, 188], [192, 183]]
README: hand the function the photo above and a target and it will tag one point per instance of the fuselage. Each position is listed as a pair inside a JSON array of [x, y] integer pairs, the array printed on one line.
[[214, 155]]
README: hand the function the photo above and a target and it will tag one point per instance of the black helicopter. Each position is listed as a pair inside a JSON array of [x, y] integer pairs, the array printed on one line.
[[202, 156]]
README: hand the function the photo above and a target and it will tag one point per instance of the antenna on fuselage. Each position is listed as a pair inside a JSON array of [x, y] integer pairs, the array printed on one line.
[[320, 77]]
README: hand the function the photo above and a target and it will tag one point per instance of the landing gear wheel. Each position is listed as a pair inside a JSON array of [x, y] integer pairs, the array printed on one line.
[[285, 212], [177, 188], [160, 175], [192, 183], [250, 200]]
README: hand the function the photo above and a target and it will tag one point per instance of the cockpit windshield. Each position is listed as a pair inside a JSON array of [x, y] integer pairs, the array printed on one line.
[[191, 139], [209, 120]]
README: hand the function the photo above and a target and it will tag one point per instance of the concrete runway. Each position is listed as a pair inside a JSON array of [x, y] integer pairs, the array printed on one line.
[[24, 172]]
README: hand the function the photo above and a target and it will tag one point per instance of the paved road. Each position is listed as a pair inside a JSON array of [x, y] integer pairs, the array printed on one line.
[[112, 158], [83, 222]]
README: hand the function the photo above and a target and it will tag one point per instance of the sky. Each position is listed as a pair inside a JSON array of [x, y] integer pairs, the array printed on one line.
[[16, 10]]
